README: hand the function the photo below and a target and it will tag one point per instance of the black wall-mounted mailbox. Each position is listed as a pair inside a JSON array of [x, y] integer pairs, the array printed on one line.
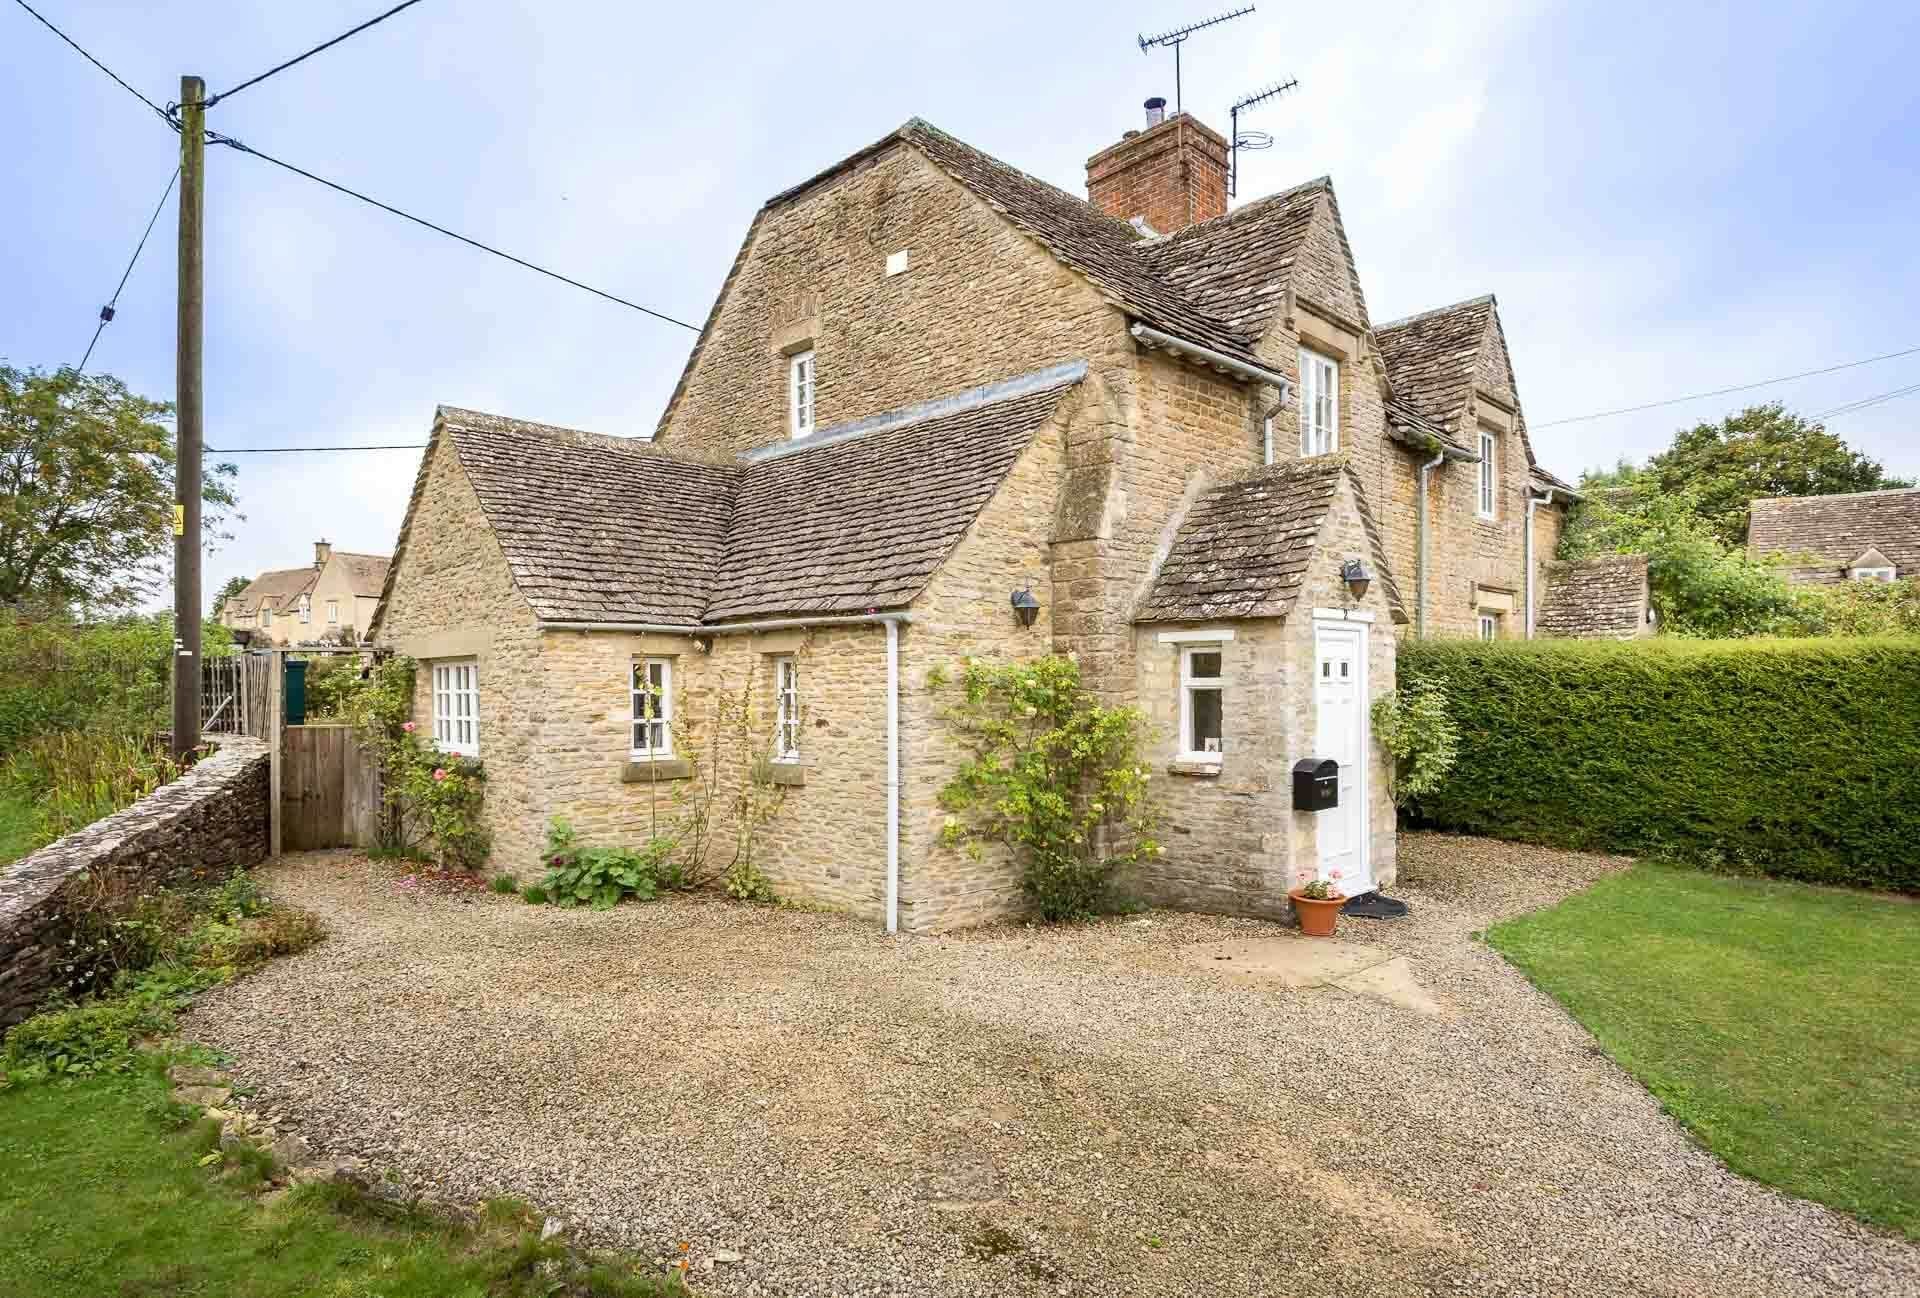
[[1316, 784]]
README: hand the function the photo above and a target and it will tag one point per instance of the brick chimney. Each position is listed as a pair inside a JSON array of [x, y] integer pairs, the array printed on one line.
[[1169, 176], [322, 551]]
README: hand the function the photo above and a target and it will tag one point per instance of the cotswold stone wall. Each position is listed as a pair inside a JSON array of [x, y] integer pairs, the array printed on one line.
[[453, 598], [206, 823], [978, 302]]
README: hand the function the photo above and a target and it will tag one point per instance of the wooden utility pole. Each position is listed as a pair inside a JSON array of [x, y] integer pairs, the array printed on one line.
[[188, 426]]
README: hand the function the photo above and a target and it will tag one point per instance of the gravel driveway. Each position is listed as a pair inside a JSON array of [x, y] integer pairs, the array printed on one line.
[[1013, 1111]]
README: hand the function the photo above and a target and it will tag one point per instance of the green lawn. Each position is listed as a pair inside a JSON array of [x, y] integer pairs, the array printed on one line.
[[1777, 1021], [101, 1194]]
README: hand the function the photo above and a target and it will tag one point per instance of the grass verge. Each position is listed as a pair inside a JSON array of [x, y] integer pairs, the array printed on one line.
[[102, 1192], [19, 828], [1774, 1020]]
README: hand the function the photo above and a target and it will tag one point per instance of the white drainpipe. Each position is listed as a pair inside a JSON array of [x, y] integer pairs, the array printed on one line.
[[1533, 502], [892, 623], [1420, 595]]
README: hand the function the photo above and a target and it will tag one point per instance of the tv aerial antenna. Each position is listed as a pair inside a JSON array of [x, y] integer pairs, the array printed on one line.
[[1249, 139], [1177, 37]]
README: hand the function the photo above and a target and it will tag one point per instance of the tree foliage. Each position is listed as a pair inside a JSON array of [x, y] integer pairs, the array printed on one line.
[[1761, 451], [86, 490], [230, 588]]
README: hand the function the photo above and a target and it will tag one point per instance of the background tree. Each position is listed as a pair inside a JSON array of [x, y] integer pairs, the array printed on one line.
[[86, 490], [233, 587], [1761, 451]]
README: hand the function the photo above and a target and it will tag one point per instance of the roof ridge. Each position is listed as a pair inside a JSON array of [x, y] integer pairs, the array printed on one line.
[[1124, 227], [1248, 209], [1839, 495], [460, 419], [1053, 376], [1485, 299]]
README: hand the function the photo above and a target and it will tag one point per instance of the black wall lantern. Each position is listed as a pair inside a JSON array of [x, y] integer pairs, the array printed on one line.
[[1355, 574], [1025, 606]]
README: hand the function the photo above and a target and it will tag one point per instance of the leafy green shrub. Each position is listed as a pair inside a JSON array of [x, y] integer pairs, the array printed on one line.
[[1788, 757], [600, 877], [1052, 773], [744, 882], [1416, 728], [100, 1037]]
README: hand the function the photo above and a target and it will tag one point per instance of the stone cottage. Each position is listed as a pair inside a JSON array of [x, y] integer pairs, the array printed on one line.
[[941, 408], [1858, 536], [334, 598]]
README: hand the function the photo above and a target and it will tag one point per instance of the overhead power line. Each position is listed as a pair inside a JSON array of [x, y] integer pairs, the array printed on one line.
[[1866, 402], [118, 80], [106, 312], [290, 450], [301, 58], [1720, 392], [214, 137]]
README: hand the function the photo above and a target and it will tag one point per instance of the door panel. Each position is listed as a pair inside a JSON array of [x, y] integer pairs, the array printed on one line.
[[1340, 707]]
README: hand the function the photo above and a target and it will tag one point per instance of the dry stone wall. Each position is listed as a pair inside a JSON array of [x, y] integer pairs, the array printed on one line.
[[207, 823]]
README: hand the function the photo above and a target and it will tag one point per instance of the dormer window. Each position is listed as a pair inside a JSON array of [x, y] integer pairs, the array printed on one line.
[[800, 392], [1319, 403], [1870, 574]]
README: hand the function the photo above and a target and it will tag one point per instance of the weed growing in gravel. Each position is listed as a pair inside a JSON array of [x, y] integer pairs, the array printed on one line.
[[534, 895], [504, 884], [600, 877]]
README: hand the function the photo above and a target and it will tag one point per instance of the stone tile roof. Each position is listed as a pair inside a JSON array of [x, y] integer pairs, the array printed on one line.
[[1106, 250], [1431, 359], [276, 589], [1604, 597], [1237, 267], [609, 529], [1835, 530], [1245, 547], [365, 573]]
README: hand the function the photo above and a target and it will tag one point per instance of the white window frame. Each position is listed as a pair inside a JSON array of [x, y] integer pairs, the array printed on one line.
[[659, 716], [786, 709], [456, 706], [1319, 403], [266, 617], [333, 612], [801, 375], [1489, 499], [306, 610], [1489, 624], [1189, 685], [1870, 574]]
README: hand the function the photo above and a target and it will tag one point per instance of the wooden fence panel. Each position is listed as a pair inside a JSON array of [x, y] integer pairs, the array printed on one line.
[[328, 793]]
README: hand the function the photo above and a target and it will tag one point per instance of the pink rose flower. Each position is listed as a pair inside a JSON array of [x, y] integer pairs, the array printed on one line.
[[408, 727], [439, 772]]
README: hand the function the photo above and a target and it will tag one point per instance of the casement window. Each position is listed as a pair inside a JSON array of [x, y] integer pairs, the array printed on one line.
[[456, 707], [1489, 626], [1319, 403], [266, 616], [333, 612], [1489, 473], [1201, 693], [1870, 574], [786, 710], [652, 689], [800, 391], [306, 609]]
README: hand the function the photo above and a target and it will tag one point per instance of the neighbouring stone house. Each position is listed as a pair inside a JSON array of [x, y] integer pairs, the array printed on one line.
[[334, 598], [1860, 536], [1602, 597], [933, 390]]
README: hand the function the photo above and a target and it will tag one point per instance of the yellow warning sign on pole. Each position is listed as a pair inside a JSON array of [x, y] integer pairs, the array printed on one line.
[[179, 520]]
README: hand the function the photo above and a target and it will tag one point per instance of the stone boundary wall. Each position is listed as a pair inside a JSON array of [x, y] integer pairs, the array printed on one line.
[[212, 818]]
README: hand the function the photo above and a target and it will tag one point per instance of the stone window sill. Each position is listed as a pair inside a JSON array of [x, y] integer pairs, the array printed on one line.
[[791, 774], [1198, 770], [667, 768]]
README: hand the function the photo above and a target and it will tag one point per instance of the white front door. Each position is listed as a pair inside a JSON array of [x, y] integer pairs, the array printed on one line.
[[1340, 707]]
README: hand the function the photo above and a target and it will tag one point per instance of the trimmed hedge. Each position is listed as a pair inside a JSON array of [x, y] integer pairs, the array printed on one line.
[[1798, 758]]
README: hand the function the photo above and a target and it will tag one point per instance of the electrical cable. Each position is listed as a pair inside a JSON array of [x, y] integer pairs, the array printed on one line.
[[1720, 392], [96, 62], [282, 67], [106, 312], [214, 137], [1865, 402], [289, 450]]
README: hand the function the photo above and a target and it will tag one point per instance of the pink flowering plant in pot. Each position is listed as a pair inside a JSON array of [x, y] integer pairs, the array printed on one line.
[[1317, 903]]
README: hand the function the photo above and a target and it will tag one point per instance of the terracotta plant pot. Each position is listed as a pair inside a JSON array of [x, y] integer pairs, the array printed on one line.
[[1316, 915]]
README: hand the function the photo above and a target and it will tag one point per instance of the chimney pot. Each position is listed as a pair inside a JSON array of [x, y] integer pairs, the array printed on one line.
[[322, 551], [1156, 110]]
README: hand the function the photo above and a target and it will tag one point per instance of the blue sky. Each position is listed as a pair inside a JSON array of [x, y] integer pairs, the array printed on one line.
[[1666, 198]]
